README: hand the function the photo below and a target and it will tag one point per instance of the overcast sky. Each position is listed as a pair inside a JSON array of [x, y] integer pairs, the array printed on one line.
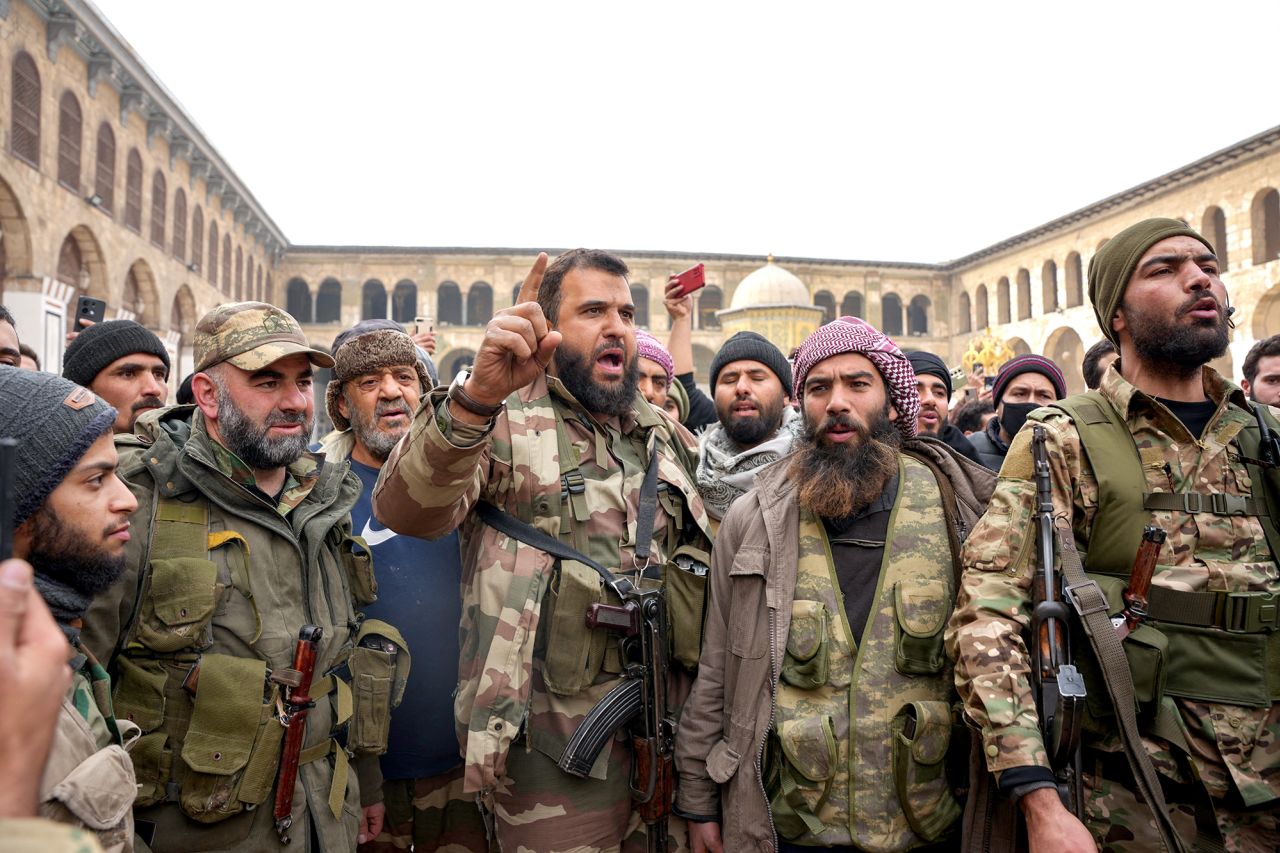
[[876, 130]]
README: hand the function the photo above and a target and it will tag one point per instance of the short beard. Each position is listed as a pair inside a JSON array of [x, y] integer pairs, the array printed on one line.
[[1173, 347], [748, 432], [70, 558], [249, 441], [837, 480], [574, 372], [378, 442]]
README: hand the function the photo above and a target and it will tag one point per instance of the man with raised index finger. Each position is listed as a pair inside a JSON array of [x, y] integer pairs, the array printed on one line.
[[549, 428]]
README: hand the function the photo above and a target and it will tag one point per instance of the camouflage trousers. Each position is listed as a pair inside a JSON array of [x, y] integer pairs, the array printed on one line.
[[538, 808], [428, 814], [1122, 823]]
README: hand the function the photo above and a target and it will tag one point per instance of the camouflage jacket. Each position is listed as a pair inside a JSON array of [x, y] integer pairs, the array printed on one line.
[[429, 487], [88, 779], [1203, 552], [721, 739]]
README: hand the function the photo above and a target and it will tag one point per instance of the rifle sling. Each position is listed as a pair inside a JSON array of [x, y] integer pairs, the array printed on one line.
[[1091, 605], [524, 532]]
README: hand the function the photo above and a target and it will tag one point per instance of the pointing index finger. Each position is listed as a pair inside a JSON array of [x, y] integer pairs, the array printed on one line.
[[533, 281]]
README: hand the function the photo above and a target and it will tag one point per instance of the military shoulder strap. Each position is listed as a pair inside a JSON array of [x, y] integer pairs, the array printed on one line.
[[1267, 480]]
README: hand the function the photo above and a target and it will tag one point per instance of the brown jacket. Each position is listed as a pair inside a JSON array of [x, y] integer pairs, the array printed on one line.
[[753, 578]]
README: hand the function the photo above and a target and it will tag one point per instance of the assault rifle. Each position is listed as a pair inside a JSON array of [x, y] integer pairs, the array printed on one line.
[[294, 719], [1060, 690]]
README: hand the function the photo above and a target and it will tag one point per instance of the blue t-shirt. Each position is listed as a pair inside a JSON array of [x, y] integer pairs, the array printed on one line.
[[418, 593]]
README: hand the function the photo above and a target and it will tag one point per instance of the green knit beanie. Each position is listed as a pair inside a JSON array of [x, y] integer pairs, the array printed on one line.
[[1113, 265]]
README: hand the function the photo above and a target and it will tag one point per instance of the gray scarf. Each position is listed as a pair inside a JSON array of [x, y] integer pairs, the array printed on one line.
[[725, 470]]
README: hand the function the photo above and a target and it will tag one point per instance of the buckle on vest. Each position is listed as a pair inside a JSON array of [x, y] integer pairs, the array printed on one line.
[[573, 482], [1077, 592], [1250, 612]]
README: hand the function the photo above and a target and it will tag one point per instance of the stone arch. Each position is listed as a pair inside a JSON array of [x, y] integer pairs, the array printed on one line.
[[15, 237], [373, 300], [1074, 272], [981, 311], [297, 300], [1264, 218], [824, 300], [329, 301], [918, 316], [710, 300], [448, 305], [891, 314], [1266, 316], [964, 313], [1049, 286], [1004, 313], [479, 304], [140, 295], [1019, 346], [81, 267], [182, 313], [702, 358], [1024, 294], [404, 301], [1064, 348], [852, 305], [1214, 227], [455, 360]]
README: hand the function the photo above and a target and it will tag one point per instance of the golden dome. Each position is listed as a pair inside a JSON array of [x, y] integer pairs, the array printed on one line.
[[770, 285]]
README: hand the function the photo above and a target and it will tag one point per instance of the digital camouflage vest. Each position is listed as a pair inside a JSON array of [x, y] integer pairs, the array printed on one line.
[[862, 729]]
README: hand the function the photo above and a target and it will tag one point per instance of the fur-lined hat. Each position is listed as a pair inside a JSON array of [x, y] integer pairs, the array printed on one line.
[[368, 353]]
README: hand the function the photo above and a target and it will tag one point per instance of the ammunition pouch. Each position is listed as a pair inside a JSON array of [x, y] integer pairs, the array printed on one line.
[[1185, 649], [357, 562], [178, 610], [379, 666], [574, 653], [805, 663], [920, 611], [232, 747], [685, 588], [921, 741], [800, 769]]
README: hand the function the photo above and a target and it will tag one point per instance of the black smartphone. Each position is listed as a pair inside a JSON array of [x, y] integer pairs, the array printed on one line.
[[88, 308]]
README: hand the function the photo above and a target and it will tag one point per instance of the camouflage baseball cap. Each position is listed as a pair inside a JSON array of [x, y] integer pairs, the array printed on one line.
[[251, 335]]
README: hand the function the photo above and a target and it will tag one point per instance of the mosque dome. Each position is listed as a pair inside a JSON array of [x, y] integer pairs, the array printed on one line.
[[770, 285]]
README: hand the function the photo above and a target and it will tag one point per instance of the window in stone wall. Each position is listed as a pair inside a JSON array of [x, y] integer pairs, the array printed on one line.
[[297, 300], [1049, 286], [69, 132], [249, 292], [133, 295], [640, 299], [891, 314], [1074, 280], [918, 316], [159, 196], [239, 282], [824, 300], [1265, 218], [710, 300], [329, 301], [851, 305], [133, 191], [180, 225], [262, 292], [1214, 227], [479, 304], [448, 304], [197, 237], [104, 178], [964, 315], [1024, 295], [24, 127], [226, 264], [373, 300], [211, 269], [404, 302], [1004, 313], [981, 311]]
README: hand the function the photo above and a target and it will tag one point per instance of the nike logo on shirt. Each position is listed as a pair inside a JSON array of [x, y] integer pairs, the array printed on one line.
[[375, 537]]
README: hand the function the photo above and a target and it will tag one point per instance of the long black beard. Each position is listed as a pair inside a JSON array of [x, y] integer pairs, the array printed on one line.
[[575, 372], [1175, 348], [249, 441], [748, 432], [70, 569], [837, 480]]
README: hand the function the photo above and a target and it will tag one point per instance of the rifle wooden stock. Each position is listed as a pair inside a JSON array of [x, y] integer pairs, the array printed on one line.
[[1139, 589], [296, 706], [651, 761]]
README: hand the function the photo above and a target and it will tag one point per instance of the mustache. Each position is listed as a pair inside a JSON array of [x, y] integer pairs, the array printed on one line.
[[386, 407], [1196, 299], [279, 418], [147, 403]]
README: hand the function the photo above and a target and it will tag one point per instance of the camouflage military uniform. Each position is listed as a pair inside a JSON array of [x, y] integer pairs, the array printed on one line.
[[88, 779], [1234, 750], [512, 724], [22, 835], [834, 713]]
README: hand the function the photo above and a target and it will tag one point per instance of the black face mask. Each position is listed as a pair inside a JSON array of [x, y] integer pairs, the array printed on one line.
[[1015, 415]]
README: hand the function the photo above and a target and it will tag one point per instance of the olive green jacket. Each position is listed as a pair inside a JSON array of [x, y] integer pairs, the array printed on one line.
[[275, 573]]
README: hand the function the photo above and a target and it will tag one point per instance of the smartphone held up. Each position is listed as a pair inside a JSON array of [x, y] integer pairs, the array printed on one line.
[[691, 279]]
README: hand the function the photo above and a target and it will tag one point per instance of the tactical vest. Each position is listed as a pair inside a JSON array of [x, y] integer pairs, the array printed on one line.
[[1214, 646], [862, 729], [212, 737]]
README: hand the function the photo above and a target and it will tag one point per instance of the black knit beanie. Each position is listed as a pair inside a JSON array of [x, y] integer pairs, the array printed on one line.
[[926, 363], [753, 347], [54, 422], [102, 343]]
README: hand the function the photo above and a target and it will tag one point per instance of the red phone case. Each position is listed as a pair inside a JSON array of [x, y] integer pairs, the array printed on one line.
[[692, 279]]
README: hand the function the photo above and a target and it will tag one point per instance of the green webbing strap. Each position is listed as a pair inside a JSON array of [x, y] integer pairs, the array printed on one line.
[[799, 806], [647, 507], [1266, 482], [1091, 604], [181, 529], [1239, 612], [573, 487], [1195, 502]]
